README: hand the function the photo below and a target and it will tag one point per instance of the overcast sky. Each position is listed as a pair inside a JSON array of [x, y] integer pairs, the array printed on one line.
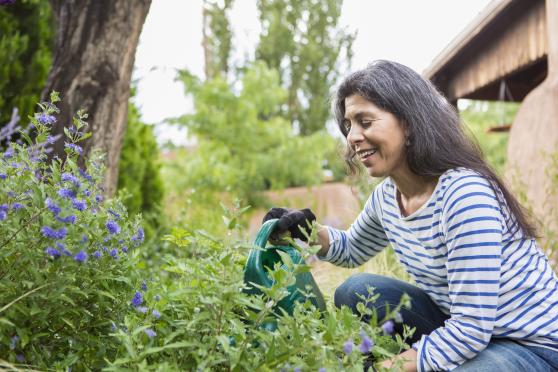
[[407, 31]]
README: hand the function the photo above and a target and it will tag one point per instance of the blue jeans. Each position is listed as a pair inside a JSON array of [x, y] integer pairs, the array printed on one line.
[[425, 316]]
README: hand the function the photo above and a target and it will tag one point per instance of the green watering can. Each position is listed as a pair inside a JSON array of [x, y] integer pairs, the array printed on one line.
[[260, 261]]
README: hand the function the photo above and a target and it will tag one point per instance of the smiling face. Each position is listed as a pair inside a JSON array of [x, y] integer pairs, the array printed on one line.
[[376, 136]]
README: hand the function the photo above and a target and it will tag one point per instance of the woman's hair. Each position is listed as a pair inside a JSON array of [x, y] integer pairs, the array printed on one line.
[[435, 135]]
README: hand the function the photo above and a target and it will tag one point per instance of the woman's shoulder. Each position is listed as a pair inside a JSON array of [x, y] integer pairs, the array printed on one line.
[[459, 177]]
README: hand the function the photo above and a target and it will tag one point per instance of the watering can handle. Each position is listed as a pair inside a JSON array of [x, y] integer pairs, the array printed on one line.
[[264, 233]]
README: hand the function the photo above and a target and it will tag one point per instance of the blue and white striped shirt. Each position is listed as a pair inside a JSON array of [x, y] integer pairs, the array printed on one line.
[[459, 249]]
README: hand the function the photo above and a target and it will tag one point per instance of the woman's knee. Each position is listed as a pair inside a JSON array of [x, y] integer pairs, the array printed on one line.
[[359, 286]]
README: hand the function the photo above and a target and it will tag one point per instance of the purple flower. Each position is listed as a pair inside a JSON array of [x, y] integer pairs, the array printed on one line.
[[52, 252], [144, 286], [156, 314], [142, 309], [63, 249], [150, 333], [80, 205], [84, 238], [348, 347], [3, 215], [388, 327], [68, 177], [137, 300], [114, 253], [85, 175], [139, 236], [17, 206], [112, 227], [45, 119], [74, 147], [69, 219], [116, 215], [296, 369], [13, 342], [20, 358], [53, 207], [157, 298], [81, 256], [113, 326], [51, 139], [3, 176], [322, 369], [98, 198], [366, 343], [97, 254], [86, 192], [51, 233], [66, 193], [9, 153], [124, 249]]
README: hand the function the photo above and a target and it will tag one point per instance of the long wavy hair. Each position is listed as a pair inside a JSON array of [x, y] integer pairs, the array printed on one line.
[[436, 138]]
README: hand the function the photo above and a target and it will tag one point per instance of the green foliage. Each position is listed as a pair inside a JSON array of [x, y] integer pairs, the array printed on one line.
[[244, 145], [217, 37], [481, 115], [67, 258], [302, 40], [139, 174], [26, 35], [208, 323]]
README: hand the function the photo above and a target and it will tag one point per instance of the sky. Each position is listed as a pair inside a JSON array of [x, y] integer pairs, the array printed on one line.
[[407, 31]]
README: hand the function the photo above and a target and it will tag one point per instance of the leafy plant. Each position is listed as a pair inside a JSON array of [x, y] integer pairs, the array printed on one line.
[[26, 34], [139, 178], [205, 321], [244, 145], [67, 256]]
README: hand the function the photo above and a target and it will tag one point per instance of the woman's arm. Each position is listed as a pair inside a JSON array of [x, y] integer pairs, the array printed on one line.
[[362, 241], [322, 240]]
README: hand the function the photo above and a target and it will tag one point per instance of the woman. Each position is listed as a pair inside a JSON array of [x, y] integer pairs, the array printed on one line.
[[485, 297]]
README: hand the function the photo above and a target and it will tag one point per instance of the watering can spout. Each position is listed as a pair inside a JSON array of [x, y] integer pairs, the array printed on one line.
[[264, 258]]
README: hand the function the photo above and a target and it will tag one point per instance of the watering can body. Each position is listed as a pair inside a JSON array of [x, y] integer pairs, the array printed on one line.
[[264, 258]]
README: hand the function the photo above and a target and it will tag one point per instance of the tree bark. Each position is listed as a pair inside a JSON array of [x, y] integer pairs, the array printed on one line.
[[93, 59]]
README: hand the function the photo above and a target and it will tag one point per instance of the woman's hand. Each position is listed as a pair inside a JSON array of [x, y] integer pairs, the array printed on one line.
[[410, 361], [291, 220]]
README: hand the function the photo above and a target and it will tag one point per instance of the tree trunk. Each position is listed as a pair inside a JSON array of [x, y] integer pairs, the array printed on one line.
[[92, 66]]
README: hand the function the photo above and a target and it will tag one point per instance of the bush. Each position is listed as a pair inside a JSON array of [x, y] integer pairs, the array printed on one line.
[[245, 146], [26, 35], [139, 176], [67, 257], [74, 292], [204, 321]]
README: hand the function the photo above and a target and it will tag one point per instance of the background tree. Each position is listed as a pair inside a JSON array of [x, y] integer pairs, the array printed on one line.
[[303, 41], [139, 176], [26, 37], [217, 37], [93, 59]]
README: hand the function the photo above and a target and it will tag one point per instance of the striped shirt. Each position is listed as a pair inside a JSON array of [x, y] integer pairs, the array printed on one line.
[[460, 249]]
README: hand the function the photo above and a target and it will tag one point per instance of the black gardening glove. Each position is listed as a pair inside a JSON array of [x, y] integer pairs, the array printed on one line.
[[290, 220]]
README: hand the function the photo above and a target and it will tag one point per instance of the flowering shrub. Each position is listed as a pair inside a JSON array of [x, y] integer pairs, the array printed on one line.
[[66, 255], [198, 318], [74, 292]]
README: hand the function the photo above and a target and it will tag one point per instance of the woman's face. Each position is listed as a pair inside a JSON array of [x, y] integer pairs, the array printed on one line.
[[376, 136]]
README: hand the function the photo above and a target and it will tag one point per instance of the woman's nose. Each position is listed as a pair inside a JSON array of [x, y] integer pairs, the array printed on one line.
[[355, 135]]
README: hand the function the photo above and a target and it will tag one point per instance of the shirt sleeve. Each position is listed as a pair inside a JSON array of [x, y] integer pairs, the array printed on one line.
[[473, 225], [362, 241]]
